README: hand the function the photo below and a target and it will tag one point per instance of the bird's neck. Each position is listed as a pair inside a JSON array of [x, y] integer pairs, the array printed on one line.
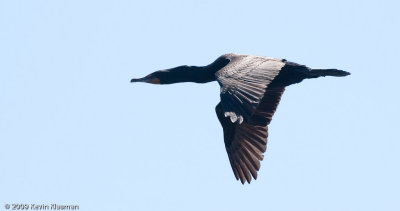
[[196, 74], [200, 74], [186, 74], [205, 74]]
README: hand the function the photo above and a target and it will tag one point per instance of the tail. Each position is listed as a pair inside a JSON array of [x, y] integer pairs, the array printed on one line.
[[315, 73]]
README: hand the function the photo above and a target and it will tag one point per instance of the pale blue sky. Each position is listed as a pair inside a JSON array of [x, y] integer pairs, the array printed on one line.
[[73, 130]]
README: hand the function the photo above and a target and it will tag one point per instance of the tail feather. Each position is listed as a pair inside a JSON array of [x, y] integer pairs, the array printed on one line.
[[315, 73]]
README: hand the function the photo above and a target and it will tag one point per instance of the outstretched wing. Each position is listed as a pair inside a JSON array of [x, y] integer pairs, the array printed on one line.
[[245, 143], [243, 83]]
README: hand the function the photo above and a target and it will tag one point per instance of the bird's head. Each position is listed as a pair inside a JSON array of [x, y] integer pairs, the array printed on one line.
[[153, 78]]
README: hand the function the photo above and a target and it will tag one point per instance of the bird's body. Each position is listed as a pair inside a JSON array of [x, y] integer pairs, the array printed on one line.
[[251, 88]]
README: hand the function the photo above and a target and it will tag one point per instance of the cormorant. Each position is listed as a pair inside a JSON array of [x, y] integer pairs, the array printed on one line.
[[251, 88]]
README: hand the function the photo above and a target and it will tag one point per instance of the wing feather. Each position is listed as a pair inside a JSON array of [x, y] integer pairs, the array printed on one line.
[[245, 143], [243, 83]]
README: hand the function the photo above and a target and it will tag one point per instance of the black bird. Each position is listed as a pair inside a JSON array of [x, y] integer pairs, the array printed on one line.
[[251, 88]]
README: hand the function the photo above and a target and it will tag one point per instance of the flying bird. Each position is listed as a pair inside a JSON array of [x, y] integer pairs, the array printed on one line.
[[251, 88]]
